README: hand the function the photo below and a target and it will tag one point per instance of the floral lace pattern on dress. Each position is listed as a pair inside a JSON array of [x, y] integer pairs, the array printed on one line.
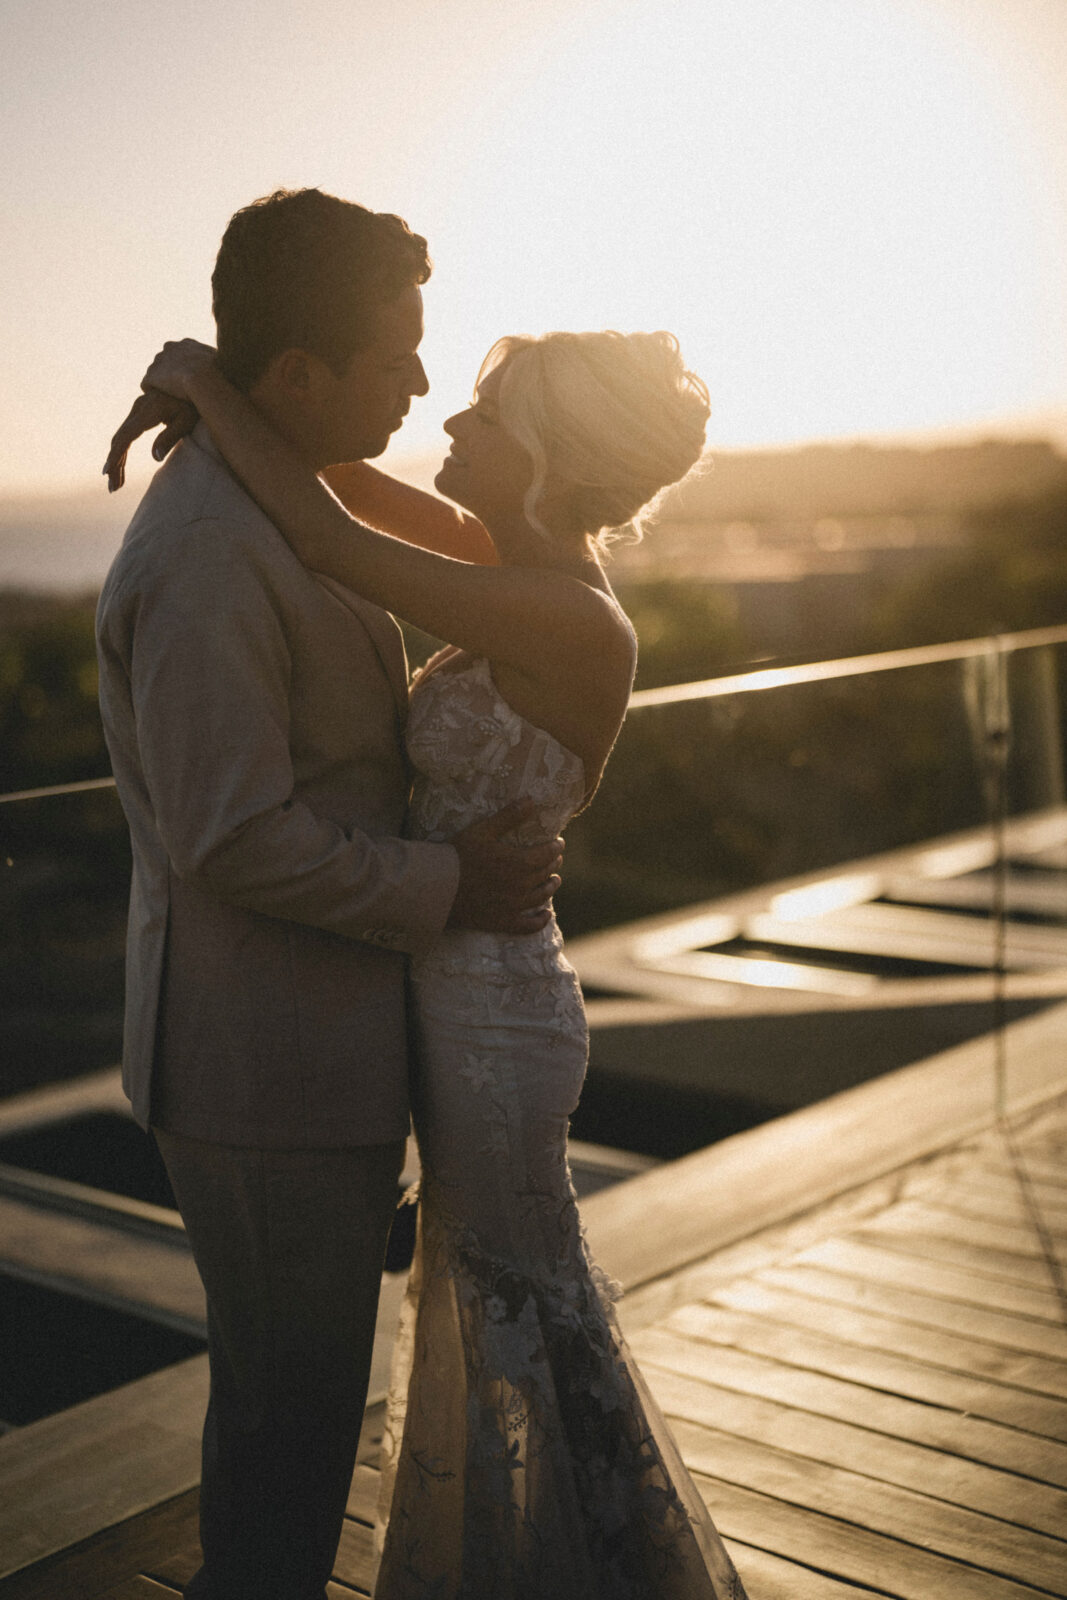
[[524, 1458]]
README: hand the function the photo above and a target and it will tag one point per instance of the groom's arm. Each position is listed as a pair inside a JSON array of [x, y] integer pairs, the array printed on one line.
[[209, 670]]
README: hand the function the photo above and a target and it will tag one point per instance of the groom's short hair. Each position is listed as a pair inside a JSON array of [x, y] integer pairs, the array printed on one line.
[[303, 270]]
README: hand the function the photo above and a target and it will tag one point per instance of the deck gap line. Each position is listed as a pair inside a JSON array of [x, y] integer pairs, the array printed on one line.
[[806, 1566], [872, 1478], [896, 1241], [702, 1340], [926, 1230], [874, 1533], [879, 1433], [1044, 1179], [361, 1521], [955, 1206], [954, 1201], [958, 1298], [1040, 1322], [892, 1350]]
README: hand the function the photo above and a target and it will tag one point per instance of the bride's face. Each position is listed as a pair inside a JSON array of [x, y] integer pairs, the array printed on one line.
[[486, 469]]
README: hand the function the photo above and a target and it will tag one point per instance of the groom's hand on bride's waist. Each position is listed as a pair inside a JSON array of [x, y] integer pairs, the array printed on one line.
[[505, 886]]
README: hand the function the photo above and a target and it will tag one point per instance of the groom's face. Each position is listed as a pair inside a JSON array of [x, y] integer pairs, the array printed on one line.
[[369, 401]]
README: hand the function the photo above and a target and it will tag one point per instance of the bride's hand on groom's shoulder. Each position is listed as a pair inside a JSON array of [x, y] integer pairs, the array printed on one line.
[[164, 404], [152, 409], [178, 365]]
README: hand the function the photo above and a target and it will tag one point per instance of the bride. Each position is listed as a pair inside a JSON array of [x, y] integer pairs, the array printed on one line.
[[523, 1455]]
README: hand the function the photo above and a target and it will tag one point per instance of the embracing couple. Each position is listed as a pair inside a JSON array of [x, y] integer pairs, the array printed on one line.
[[341, 916]]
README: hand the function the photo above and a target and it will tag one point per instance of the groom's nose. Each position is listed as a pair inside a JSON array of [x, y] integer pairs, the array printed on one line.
[[419, 383]]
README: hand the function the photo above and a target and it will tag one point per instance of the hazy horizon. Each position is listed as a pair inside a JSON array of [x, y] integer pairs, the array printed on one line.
[[63, 540]]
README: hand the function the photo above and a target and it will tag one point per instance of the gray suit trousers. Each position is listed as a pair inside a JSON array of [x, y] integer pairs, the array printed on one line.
[[290, 1245]]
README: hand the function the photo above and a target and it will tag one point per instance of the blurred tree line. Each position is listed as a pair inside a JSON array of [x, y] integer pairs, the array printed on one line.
[[700, 798], [64, 862], [1010, 575]]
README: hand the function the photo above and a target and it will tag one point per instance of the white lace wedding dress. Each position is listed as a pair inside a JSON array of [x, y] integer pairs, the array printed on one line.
[[523, 1458]]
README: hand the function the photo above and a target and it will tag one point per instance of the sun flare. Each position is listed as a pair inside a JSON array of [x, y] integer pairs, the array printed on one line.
[[804, 194]]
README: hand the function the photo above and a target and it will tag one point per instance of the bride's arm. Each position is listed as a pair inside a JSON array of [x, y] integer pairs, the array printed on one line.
[[509, 614], [414, 515]]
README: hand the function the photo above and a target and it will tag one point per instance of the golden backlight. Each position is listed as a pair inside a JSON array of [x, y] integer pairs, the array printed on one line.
[[852, 212], [839, 208]]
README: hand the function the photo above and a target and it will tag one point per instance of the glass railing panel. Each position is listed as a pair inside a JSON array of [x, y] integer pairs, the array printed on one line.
[[64, 883], [793, 771]]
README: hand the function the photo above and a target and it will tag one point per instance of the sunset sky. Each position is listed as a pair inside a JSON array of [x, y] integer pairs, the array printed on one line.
[[852, 212]]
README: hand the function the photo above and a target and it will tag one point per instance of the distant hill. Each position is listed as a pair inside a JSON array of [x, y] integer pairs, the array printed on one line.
[[828, 480], [66, 541]]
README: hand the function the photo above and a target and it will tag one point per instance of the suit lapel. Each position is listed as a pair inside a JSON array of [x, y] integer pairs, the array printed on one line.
[[384, 634]]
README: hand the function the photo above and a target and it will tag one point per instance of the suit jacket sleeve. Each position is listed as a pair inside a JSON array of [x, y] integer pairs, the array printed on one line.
[[209, 674]]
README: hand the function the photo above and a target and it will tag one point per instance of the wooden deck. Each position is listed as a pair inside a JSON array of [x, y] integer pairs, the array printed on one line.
[[868, 1376]]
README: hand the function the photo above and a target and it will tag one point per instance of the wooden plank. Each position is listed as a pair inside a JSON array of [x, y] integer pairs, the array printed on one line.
[[915, 1244], [849, 1445], [177, 1561], [1016, 1240], [995, 1328], [651, 1302], [769, 1577], [846, 1551], [123, 1269], [758, 1179], [999, 1195], [1004, 1209], [1031, 1308], [1052, 1119], [877, 929], [801, 1301], [59, 1102], [363, 1495], [1051, 1146], [984, 1542], [65, 1478], [132, 1547], [140, 1588], [1028, 892], [687, 1344], [1044, 1174], [357, 1559]]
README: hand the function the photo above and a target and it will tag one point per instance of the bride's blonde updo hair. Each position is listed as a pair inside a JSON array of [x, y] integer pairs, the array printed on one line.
[[610, 420]]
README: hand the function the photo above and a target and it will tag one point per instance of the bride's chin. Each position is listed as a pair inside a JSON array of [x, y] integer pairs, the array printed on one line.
[[443, 480]]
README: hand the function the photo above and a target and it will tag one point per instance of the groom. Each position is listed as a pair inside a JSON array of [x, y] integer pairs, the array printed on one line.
[[254, 714]]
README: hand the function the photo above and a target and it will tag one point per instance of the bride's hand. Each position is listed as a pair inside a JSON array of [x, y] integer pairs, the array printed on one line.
[[150, 410], [178, 364], [164, 402]]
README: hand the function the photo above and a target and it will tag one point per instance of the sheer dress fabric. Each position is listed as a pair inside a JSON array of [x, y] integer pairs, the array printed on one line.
[[523, 1456]]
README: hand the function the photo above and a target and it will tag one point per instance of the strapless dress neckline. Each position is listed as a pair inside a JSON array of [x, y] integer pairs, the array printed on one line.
[[481, 668], [472, 754]]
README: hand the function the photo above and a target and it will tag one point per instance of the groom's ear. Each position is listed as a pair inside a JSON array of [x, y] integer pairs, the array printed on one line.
[[295, 372]]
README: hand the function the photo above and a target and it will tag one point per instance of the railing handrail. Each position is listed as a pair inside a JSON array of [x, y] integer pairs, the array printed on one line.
[[57, 788], [742, 683], [846, 667]]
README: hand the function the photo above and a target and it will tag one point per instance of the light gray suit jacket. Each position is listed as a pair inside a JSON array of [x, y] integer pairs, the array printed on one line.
[[254, 716]]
